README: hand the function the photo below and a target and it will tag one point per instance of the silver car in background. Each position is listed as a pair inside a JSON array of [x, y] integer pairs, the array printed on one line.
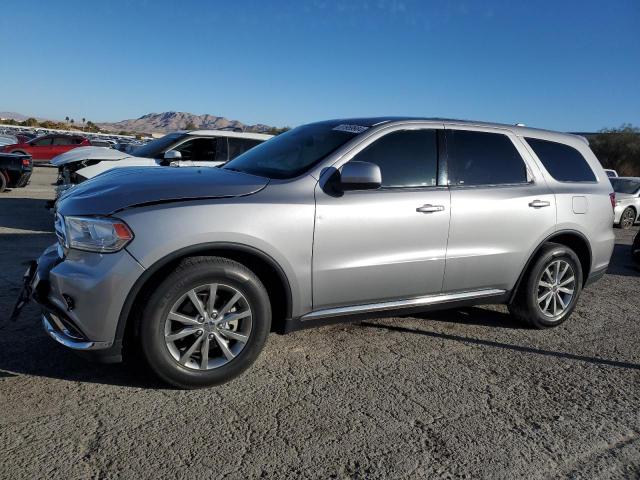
[[627, 209], [331, 221]]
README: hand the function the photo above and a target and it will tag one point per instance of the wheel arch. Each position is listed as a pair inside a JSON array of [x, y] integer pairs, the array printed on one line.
[[264, 266], [573, 239]]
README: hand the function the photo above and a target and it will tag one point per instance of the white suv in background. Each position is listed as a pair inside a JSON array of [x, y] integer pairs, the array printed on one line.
[[207, 148]]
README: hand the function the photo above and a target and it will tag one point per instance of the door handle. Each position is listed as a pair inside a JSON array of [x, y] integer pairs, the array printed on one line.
[[430, 208], [539, 204]]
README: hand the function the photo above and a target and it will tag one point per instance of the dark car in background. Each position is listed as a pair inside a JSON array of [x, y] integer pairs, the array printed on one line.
[[15, 170], [46, 147]]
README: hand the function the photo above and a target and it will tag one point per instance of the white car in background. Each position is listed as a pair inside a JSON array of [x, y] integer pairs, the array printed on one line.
[[207, 148], [627, 201]]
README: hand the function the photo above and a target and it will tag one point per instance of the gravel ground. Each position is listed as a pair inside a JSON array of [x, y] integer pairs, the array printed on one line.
[[461, 394]]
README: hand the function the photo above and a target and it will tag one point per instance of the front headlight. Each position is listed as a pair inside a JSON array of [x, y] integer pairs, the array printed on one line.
[[104, 235]]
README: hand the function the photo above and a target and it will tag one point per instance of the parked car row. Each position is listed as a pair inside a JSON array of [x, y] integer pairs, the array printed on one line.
[[331, 221]]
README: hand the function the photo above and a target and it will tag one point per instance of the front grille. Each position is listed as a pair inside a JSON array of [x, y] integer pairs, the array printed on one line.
[[59, 228]]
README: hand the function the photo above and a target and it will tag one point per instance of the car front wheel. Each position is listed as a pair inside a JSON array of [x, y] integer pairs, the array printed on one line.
[[205, 323], [550, 288]]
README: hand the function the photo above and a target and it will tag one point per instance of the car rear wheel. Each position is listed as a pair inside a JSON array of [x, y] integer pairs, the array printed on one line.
[[205, 323], [628, 218], [550, 289]]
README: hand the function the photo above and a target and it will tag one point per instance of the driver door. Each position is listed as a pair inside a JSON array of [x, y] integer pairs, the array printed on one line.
[[390, 243]]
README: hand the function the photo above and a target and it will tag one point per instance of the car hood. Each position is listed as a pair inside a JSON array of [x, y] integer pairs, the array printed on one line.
[[80, 154], [128, 187]]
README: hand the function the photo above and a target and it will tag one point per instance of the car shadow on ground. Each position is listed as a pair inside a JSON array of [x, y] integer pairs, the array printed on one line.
[[621, 263], [473, 316], [501, 345], [25, 214], [42, 357]]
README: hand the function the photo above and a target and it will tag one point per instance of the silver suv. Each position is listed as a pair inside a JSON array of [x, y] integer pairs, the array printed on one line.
[[336, 220]]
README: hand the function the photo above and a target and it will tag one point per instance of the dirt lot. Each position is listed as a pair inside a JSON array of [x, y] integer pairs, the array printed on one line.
[[467, 393]]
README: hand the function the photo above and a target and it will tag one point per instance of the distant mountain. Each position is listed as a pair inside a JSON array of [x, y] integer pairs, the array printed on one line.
[[172, 121], [18, 117]]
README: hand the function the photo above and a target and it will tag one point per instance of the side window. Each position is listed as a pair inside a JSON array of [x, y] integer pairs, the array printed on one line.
[[198, 149], [407, 158], [238, 146], [62, 141], [564, 163], [482, 158], [42, 142]]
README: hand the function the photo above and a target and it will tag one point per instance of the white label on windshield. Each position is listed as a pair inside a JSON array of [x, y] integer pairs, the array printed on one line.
[[350, 128]]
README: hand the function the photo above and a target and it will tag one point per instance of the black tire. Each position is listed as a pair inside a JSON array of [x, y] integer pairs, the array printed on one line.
[[525, 306], [3, 182], [627, 218], [190, 274]]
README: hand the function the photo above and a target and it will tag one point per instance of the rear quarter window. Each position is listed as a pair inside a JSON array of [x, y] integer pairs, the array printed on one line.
[[564, 163]]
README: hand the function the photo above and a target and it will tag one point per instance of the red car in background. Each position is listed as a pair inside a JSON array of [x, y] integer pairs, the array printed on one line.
[[48, 146]]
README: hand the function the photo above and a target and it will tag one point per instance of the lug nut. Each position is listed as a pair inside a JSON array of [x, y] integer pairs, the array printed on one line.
[[198, 333], [211, 336]]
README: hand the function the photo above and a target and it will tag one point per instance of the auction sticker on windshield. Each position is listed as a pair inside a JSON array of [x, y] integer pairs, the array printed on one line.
[[350, 128]]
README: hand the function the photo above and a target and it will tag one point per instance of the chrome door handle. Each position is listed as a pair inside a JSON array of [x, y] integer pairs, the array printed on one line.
[[539, 204], [430, 208]]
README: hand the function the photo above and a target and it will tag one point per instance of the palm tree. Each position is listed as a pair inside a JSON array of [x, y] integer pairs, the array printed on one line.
[[84, 122], [66, 119]]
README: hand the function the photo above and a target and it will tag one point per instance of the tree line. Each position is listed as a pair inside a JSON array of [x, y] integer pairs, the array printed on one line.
[[618, 149]]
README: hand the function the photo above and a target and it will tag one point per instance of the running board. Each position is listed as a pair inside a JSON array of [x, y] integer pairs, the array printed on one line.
[[400, 304]]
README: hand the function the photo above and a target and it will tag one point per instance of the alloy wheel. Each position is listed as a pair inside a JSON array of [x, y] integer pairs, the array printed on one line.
[[208, 326], [628, 218], [556, 288]]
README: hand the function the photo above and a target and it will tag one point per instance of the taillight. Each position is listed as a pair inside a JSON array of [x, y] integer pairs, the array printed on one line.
[[612, 197], [26, 162]]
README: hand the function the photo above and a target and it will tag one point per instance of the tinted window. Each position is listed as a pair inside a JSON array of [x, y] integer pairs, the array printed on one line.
[[198, 149], [406, 159], [296, 151], [625, 185], [481, 158], [62, 141], [564, 163], [156, 148], [237, 146], [41, 142]]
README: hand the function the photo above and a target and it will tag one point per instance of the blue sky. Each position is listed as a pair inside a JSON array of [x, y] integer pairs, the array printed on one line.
[[566, 65]]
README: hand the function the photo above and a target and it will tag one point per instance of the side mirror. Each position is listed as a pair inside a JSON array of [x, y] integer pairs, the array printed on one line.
[[172, 155], [360, 176]]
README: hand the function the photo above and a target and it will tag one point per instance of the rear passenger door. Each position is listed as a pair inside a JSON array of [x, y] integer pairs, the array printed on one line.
[[501, 208]]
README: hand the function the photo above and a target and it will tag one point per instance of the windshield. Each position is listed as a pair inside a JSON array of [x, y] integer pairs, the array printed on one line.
[[625, 185], [294, 152], [155, 148]]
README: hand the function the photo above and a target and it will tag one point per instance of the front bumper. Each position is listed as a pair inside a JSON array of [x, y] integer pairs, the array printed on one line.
[[81, 297]]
